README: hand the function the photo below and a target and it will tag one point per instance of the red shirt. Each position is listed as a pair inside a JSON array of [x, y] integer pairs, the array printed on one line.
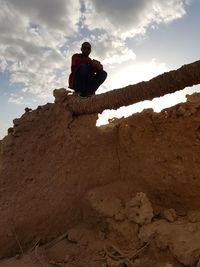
[[78, 59]]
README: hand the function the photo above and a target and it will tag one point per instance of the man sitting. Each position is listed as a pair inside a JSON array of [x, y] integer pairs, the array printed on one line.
[[86, 74]]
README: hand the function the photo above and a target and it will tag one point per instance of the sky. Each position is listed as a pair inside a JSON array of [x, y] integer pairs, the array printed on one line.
[[135, 40]]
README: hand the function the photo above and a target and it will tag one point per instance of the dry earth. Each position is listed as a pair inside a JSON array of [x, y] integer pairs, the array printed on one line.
[[125, 194]]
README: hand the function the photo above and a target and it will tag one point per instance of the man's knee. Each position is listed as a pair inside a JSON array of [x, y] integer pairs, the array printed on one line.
[[103, 75]]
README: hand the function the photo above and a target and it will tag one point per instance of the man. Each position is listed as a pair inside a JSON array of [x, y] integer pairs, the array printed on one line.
[[86, 74]]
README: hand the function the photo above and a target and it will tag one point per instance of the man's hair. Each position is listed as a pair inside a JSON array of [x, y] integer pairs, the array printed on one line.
[[85, 43]]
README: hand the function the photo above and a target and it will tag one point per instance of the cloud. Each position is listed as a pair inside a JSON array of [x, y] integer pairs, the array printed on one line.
[[131, 17], [3, 64], [19, 100], [112, 22], [38, 37], [33, 34], [110, 49], [57, 15]]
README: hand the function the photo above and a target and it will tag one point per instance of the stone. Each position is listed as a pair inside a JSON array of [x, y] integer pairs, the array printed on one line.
[[60, 95], [139, 209], [16, 122], [27, 109], [194, 216], [170, 215], [183, 244], [194, 98], [104, 205], [80, 235]]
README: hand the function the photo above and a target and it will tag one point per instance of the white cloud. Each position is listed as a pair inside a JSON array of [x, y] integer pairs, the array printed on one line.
[[125, 55], [35, 36], [110, 49], [3, 64], [32, 34], [19, 100], [131, 17], [58, 15]]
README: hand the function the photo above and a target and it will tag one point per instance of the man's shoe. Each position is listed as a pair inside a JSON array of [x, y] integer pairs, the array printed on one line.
[[90, 95], [83, 96], [79, 94]]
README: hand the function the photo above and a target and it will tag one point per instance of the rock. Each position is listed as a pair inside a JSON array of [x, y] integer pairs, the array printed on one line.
[[194, 98], [147, 111], [60, 95], [28, 109], [183, 244], [104, 205], [120, 216], [192, 228], [10, 130], [194, 216], [80, 235], [170, 215], [148, 231], [162, 242], [46, 107], [126, 230], [16, 122], [139, 209]]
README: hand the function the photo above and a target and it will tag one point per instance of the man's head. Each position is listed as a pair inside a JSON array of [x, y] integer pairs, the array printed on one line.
[[86, 48]]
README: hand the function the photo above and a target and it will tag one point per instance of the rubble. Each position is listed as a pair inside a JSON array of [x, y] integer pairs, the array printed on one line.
[[139, 209]]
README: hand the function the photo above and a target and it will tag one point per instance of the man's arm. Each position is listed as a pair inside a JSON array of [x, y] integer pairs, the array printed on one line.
[[75, 61], [97, 65], [74, 65]]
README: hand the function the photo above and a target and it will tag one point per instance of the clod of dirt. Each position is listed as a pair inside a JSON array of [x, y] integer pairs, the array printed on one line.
[[80, 235], [170, 215], [194, 98], [105, 205], [139, 209], [194, 216], [181, 238]]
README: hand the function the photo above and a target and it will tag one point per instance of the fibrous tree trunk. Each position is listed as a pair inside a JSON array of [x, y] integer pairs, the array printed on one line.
[[169, 82]]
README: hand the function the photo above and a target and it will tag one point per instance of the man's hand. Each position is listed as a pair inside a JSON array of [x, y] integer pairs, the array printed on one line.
[[97, 65]]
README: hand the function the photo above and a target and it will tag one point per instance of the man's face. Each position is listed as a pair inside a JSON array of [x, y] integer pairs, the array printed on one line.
[[86, 49]]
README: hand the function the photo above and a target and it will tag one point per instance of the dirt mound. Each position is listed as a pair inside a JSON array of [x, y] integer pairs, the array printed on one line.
[[125, 194], [117, 233]]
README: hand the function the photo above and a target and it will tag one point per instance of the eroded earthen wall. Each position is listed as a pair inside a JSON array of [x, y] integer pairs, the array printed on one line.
[[50, 159]]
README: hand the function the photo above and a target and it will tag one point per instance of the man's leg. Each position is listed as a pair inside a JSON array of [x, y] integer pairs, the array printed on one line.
[[81, 78], [97, 80]]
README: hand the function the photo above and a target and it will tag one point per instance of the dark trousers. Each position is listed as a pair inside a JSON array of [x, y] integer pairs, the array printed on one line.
[[86, 82]]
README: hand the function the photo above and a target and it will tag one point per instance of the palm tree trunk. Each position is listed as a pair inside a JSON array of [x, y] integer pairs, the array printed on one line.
[[169, 82]]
